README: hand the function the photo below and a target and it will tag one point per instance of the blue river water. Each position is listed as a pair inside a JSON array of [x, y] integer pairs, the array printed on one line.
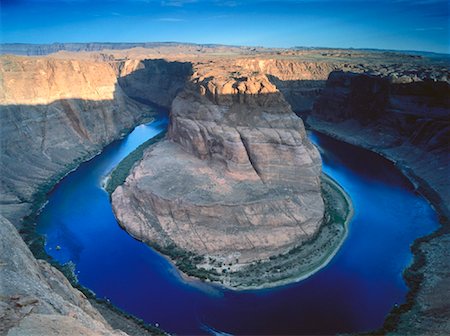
[[353, 293]]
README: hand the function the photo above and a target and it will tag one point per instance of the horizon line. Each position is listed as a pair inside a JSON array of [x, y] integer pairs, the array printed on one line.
[[235, 45]]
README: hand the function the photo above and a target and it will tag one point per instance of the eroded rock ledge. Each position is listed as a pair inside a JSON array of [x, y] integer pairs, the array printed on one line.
[[236, 182]]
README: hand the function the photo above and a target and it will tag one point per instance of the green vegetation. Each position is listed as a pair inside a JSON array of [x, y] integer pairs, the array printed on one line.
[[301, 260], [122, 170], [308, 256], [186, 262]]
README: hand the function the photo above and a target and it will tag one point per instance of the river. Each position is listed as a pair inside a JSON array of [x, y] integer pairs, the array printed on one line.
[[354, 292]]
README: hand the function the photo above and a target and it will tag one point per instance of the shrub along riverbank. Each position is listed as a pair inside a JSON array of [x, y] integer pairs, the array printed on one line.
[[119, 174]]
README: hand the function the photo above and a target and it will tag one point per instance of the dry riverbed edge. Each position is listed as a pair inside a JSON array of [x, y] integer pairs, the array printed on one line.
[[297, 263]]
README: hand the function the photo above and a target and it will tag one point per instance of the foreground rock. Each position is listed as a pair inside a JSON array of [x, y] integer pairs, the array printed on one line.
[[37, 299]]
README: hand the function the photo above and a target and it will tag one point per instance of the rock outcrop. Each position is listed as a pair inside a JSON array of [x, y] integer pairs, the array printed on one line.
[[37, 299], [237, 181], [153, 80], [405, 120]]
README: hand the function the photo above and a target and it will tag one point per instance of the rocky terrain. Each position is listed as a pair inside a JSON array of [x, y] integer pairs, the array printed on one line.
[[63, 108], [37, 299], [405, 120], [54, 113]]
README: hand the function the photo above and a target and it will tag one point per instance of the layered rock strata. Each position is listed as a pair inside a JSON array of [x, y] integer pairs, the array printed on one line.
[[53, 114], [37, 299], [153, 80], [237, 181], [405, 120], [81, 103]]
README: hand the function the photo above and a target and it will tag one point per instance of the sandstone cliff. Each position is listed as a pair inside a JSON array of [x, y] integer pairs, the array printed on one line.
[[36, 299], [237, 180], [405, 120], [53, 113], [156, 81]]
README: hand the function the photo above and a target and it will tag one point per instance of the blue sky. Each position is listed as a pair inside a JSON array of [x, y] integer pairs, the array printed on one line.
[[385, 24]]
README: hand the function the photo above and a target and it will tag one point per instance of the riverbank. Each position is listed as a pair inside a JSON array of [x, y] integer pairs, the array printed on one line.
[[307, 259], [119, 173], [115, 317], [424, 310]]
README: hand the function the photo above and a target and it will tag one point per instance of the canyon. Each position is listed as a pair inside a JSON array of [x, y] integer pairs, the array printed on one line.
[[231, 121]]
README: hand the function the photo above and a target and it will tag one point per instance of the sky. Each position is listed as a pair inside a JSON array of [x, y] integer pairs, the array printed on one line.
[[383, 24]]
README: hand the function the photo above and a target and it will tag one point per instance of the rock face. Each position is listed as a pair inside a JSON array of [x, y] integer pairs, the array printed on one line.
[[237, 180], [404, 120], [36, 299], [156, 81], [54, 112]]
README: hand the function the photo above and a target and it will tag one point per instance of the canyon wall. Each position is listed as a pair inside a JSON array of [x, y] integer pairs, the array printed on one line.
[[300, 82], [37, 299], [156, 81], [407, 120], [403, 119], [54, 113]]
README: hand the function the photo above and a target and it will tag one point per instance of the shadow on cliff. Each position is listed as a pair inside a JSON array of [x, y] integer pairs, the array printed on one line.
[[40, 143], [300, 94], [156, 81], [418, 111]]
